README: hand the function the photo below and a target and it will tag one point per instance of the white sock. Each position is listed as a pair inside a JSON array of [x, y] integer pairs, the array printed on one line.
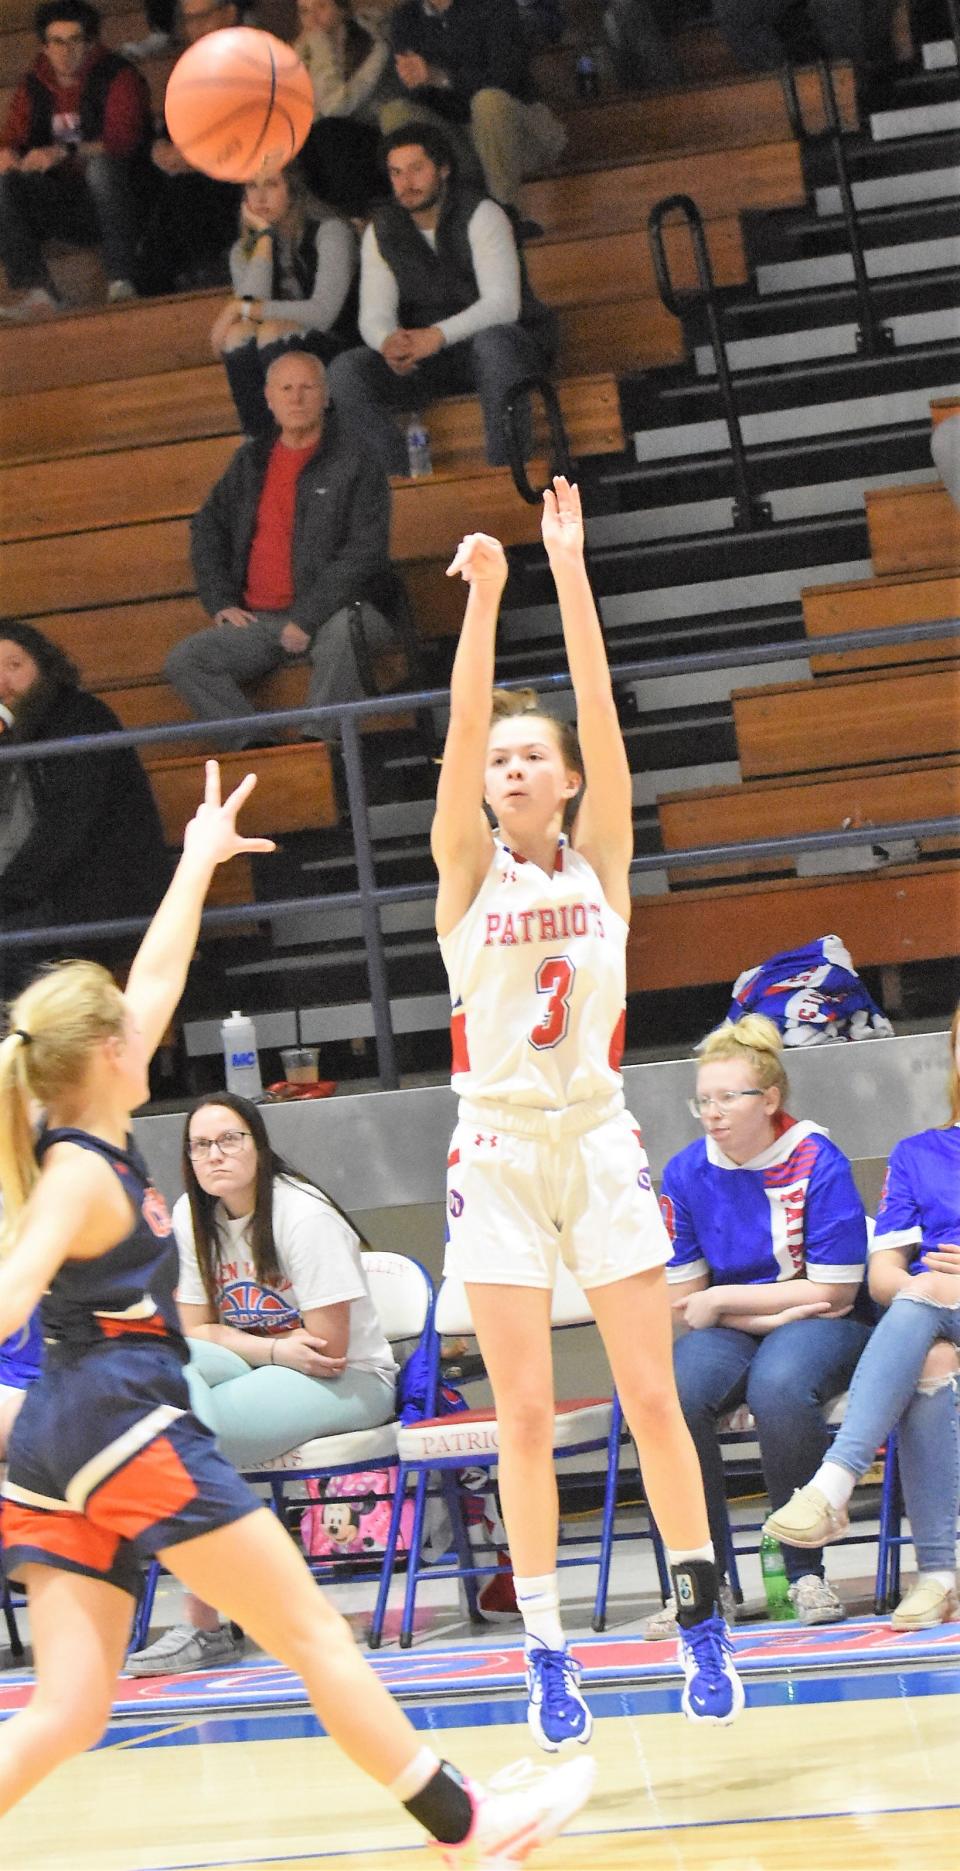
[[948, 1580], [415, 1777], [836, 1482], [680, 1556], [539, 1603]]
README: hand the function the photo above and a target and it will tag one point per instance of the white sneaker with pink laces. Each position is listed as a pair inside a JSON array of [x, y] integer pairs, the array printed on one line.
[[510, 1821]]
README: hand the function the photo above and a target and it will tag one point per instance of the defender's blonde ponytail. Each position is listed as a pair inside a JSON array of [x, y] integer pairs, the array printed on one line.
[[54, 1026]]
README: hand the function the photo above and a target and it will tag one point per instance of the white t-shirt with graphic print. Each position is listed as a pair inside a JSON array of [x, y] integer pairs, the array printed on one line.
[[320, 1264]]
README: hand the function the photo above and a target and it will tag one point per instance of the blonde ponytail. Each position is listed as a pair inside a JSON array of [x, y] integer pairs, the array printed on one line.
[[756, 1039], [54, 1026]]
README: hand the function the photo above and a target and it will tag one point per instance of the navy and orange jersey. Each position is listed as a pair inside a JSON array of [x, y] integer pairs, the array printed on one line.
[[128, 1292]]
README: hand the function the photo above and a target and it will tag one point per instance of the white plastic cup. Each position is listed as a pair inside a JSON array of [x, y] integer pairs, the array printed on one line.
[[301, 1064]]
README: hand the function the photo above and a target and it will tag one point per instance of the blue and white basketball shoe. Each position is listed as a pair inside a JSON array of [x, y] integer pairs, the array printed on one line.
[[556, 1709], [713, 1691]]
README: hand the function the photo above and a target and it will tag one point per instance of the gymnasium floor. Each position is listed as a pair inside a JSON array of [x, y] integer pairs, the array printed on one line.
[[847, 1755]]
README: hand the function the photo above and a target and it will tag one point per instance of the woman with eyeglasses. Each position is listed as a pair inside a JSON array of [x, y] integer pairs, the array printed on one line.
[[284, 1339], [908, 1377], [769, 1249]]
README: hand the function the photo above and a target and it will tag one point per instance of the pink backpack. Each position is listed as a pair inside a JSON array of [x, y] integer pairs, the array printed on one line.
[[338, 1526]]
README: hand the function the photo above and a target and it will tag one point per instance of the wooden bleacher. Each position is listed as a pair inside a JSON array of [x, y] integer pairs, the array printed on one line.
[[828, 801], [888, 715], [882, 604], [620, 196], [688, 939], [294, 790], [912, 528]]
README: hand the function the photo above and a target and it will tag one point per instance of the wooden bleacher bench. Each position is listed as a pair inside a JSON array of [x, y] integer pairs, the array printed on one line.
[[912, 528], [294, 790], [882, 604], [700, 116], [620, 196], [880, 795], [171, 406], [589, 269], [889, 715], [100, 344], [697, 937]]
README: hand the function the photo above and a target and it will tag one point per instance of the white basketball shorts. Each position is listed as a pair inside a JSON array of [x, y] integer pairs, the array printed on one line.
[[524, 1186]]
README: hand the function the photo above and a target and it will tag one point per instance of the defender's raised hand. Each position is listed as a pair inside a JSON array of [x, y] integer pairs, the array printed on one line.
[[562, 522], [479, 559], [212, 832]]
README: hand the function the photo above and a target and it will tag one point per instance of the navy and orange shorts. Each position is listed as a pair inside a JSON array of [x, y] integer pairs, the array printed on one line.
[[107, 1466]]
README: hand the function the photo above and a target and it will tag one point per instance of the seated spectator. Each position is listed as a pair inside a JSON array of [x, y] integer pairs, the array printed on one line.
[[293, 533], [907, 1376], [445, 304], [80, 839], [351, 69], [294, 271], [285, 1343], [73, 156], [769, 1248], [192, 219], [464, 63], [638, 35], [161, 18], [762, 33]]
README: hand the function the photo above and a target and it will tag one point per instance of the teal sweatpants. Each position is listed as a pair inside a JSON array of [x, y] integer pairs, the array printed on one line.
[[260, 1413]]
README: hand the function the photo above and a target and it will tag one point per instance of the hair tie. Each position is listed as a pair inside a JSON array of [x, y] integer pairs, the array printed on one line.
[[20, 1033]]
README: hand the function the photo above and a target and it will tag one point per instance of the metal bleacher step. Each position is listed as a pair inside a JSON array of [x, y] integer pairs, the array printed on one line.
[[909, 331], [892, 191], [710, 516], [883, 258], [715, 596], [886, 397], [926, 119], [788, 463], [939, 55]]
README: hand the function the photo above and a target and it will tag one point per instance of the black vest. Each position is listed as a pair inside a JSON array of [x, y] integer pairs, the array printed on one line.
[[93, 104], [304, 269], [436, 283]]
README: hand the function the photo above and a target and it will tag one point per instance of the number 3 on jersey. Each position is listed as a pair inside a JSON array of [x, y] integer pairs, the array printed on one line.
[[554, 978]]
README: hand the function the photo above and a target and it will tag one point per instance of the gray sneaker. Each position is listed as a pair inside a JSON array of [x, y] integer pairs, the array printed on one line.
[[182, 1648], [814, 1601], [663, 1623]]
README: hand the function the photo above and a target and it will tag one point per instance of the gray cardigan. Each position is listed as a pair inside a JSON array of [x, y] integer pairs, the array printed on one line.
[[341, 528]]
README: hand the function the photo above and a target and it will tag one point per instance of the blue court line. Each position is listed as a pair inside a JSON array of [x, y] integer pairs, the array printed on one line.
[[283, 1724], [598, 1832]]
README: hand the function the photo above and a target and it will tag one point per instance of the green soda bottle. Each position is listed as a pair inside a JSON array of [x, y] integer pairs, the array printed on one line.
[[775, 1583]]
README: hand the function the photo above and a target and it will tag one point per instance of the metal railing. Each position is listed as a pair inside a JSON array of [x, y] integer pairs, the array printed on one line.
[[749, 510], [369, 896], [873, 338]]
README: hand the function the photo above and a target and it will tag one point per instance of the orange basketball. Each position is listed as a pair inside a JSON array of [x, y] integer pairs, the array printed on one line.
[[238, 102]]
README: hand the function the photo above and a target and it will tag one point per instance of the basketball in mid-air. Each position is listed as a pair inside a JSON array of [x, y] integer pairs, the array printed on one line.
[[238, 103]]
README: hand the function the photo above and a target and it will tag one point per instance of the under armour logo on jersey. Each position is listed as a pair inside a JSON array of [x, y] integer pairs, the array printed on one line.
[[492, 1140]]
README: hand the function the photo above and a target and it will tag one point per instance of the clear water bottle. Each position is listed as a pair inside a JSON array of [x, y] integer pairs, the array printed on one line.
[[418, 448], [775, 1582], [240, 1057]]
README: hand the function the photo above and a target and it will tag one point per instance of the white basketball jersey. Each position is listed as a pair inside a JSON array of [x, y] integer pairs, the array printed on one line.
[[537, 971]]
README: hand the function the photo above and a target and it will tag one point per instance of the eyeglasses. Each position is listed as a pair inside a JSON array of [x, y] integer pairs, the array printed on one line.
[[66, 39], [724, 1101], [201, 12], [228, 1143]]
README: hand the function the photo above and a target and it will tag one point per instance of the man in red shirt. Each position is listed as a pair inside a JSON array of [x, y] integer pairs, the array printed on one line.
[[74, 143], [290, 538]]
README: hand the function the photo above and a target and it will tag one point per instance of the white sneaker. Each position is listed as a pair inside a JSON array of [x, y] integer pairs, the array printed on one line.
[[120, 289], [663, 1624], [183, 1648], [510, 1822], [149, 47], [814, 1601]]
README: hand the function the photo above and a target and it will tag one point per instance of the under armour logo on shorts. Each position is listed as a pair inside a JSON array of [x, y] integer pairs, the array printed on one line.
[[480, 1139]]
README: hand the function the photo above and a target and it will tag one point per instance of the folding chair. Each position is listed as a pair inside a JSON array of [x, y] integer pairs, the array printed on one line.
[[403, 1295], [442, 1445]]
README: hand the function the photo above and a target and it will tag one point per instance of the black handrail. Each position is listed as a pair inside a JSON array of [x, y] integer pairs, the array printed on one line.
[[514, 408], [748, 510], [873, 338]]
